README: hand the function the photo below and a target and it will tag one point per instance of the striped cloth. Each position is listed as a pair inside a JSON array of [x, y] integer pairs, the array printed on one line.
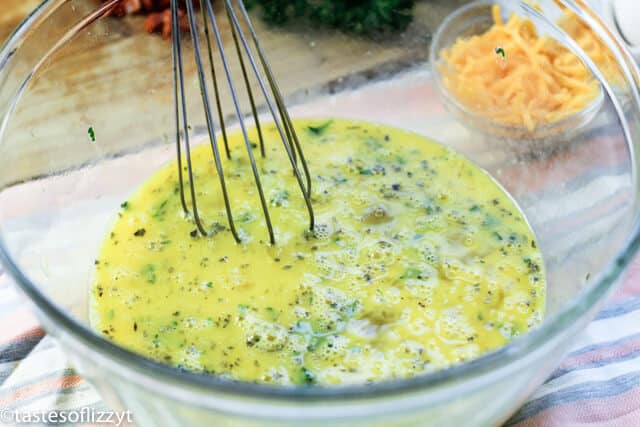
[[597, 384]]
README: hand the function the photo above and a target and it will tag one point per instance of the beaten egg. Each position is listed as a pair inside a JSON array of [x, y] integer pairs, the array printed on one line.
[[418, 260]]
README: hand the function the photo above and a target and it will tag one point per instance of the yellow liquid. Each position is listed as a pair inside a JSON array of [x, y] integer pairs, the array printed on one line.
[[418, 261]]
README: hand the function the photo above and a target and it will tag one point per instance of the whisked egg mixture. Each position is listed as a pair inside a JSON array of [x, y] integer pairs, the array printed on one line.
[[418, 261]]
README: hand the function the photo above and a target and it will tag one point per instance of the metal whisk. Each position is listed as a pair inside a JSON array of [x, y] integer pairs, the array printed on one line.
[[270, 91]]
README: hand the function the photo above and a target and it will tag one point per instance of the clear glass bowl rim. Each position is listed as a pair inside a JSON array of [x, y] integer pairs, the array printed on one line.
[[585, 302]]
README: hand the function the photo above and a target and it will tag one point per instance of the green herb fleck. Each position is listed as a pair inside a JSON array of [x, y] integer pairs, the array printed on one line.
[[490, 221], [431, 207], [216, 228], [252, 340], [302, 328], [124, 205], [533, 266], [321, 128], [401, 160], [160, 210], [306, 376], [412, 273], [339, 179], [92, 134], [315, 343], [280, 198], [374, 144], [149, 273], [350, 309], [245, 217], [273, 313], [500, 51]]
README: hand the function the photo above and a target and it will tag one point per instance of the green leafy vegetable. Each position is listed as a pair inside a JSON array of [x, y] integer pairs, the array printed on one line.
[[366, 17]]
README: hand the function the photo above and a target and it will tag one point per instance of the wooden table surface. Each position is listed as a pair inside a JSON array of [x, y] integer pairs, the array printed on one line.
[[13, 12]]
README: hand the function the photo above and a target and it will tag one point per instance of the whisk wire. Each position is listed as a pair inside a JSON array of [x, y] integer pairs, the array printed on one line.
[[282, 113], [210, 125], [216, 90], [176, 55], [239, 115], [178, 80], [279, 112], [279, 99], [248, 86]]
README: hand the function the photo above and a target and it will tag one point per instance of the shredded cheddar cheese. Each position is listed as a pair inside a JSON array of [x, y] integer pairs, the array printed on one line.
[[591, 44], [515, 77]]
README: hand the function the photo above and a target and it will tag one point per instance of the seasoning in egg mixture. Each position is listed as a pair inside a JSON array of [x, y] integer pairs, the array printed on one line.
[[418, 261]]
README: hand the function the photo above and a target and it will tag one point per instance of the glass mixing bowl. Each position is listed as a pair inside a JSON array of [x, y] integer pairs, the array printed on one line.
[[61, 74]]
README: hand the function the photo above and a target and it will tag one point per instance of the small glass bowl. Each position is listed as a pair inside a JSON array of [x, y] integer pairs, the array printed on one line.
[[476, 18]]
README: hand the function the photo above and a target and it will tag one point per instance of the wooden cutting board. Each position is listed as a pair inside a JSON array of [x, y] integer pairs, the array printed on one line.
[[116, 79], [13, 12]]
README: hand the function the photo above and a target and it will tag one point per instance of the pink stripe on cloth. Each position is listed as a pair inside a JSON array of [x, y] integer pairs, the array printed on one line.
[[49, 385], [607, 353], [619, 411], [21, 324], [631, 283]]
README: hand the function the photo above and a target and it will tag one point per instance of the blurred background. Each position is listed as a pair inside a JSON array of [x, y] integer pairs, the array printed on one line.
[[13, 12]]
